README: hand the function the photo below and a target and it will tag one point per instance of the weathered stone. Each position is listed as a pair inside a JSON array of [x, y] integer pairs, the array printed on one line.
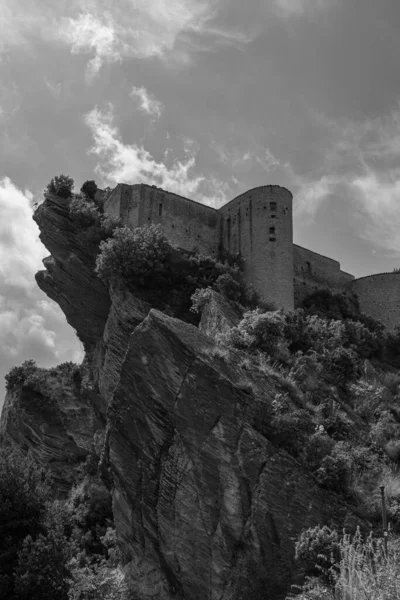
[[69, 278], [202, 500], [218, 315], [55, 421]]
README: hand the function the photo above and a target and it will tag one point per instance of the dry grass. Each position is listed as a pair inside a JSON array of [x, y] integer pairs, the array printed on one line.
[[364, 572]]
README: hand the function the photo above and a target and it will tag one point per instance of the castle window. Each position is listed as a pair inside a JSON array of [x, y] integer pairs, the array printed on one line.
[[273, 205], [159, 210], [272, 239], [272, 230], [308, 266]]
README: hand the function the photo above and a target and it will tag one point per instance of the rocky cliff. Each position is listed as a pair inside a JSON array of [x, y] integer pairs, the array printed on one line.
[[205, 506], [54, 417]]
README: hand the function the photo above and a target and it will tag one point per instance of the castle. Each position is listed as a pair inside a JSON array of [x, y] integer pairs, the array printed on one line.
[[257, 225]]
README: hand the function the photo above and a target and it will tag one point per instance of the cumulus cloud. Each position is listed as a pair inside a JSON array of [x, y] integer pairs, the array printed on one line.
[[362, 162], [311, 194], [378, 203], [130, 163], [171, 31], [147, 102], [29, 324]]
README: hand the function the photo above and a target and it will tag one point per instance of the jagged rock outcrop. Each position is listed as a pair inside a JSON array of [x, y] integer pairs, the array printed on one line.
[[206, 508], [69, 278], [55, 420], [218, 315]]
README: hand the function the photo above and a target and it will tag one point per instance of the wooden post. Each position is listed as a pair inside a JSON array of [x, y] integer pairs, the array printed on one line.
[[384, 519]]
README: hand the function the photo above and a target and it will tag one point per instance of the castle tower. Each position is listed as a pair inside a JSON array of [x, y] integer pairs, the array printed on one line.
[[258, 225]]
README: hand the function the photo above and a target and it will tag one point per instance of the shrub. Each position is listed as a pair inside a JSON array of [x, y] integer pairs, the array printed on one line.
[[263, 331], [317, 549], [17, 376], [318, 445], [83, 212], [333, 473], [392, 449], [137, 256], [89, 189], [200, 298], [93, 226], [24, 489], [61, 186], [288, 428], [229, 287], [341, 364], [42, 571]]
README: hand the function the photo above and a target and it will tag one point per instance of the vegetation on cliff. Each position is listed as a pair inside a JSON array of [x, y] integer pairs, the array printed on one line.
[[335, 409], [51, 548]]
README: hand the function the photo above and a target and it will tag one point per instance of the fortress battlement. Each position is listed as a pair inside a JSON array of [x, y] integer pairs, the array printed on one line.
[[257, 225]]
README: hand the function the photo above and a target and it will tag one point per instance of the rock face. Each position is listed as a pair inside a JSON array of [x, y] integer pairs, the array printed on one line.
[[204, 505], [206, 508], [218, 315], [69, 279], [56, 421]]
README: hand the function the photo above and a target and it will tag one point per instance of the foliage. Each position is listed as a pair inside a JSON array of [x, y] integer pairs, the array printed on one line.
[[141, 255], [362, 570], [83, 212], [89, 189], [341, 364], [17, 376], [61, 186], [24, 489], [200, 298], [258, 331], [317, 548], [42, 569], [92, 226], [288, 427]]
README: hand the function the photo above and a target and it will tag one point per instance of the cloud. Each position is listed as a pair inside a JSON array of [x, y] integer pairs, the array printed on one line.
[[147, 102], [20, 248], [170, 31], [93, 34], [130, 163], [311, 194], [378, 204], [30, 325], [360, 165]]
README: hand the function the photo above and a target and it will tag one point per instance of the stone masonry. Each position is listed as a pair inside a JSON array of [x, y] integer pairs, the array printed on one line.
[[257, 226]]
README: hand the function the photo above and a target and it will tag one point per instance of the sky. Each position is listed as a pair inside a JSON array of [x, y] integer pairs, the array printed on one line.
[[207, 98]]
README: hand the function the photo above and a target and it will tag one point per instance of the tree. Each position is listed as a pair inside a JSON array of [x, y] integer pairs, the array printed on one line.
[[89, 188], [23, 493], [61, 186]]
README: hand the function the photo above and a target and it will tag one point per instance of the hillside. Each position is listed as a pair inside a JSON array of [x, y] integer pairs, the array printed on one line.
[[221, 434]]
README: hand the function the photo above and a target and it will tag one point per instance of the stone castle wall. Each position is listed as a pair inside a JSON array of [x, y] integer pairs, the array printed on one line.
[[188, 224], [313, 271], [258, 226], [379, 297]]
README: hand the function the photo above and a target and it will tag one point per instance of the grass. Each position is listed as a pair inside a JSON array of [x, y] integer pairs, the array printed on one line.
[[365, 572]]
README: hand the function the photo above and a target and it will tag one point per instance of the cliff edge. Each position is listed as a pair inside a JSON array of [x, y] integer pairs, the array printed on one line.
[[205, 506]]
